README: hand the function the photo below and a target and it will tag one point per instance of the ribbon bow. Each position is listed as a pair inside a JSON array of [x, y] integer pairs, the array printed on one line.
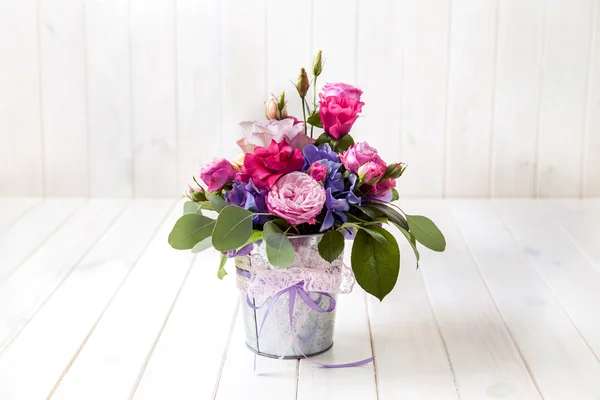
[[297, 289]]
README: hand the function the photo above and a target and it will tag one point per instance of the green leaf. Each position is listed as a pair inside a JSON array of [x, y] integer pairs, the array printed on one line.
[[189, 207], [413, 243], [202, 245], [426, 232], [376, 235], [189, 230], [221, 272], [269, 228], [393, 215], [370, 212], [395, 195], [331, 245], [344, 143], [216, 201], [376, 266], [323, 138], [233, 228], [255, 236], [315, 120], [205, 205], [280, 251]]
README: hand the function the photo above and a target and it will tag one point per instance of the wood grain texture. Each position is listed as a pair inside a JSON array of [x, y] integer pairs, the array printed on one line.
[[109, 97], [591, 167], [187, 360], [64, 104], [59, 329], [21, 144], [516, 98], [542, 330], [564, 94], [116, 353], [153, 80], [13, 208], [199, 77], [485, 360]]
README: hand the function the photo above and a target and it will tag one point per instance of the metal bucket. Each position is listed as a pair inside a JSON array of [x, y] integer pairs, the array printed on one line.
[[311, 332]]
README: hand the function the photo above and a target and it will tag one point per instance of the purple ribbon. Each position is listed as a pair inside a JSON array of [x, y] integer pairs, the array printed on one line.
[[297, 289]]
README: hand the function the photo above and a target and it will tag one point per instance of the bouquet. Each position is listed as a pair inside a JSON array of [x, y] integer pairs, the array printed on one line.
[[293, 180]]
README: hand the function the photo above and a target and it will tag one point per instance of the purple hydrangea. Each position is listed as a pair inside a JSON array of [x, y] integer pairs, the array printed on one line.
[[248, 196], [336, 210], [244, 251], [313, 153]]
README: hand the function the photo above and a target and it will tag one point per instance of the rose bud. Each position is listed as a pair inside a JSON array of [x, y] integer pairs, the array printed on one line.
[[271, 109], [395, 170], [196, 194], [371, 172], [318, 171], [302, 84], [282, 106]]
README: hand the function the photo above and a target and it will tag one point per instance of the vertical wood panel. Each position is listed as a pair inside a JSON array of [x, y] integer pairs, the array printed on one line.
[[198, 85], [470, 90], [426, 25], [153, 95], [288, 49], [243, 68], [562, 112], [20, 124], [335, 32], [516, 99], [592, 143], [108, 94], [62, 48], [379, 73]]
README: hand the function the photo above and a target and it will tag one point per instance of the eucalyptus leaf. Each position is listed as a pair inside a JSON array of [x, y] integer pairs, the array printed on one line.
[[189, 230], [315, 120], [331, 245], [426, 232], [395, 195], [189, 207], [232, 229], [269, 228], [255, 236], [344, 143], [280, 251], [202, 245], [222, 272], [393, 215], [216, 201], [376, 266]]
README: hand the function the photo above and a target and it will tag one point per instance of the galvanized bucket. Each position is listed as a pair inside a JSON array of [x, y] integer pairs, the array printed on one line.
[[309, 332]]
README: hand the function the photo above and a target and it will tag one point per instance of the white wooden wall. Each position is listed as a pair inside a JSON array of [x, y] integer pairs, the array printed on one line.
[[130, 97]]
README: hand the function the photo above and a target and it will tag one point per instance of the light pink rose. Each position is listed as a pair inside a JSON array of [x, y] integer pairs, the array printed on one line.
[[371, 172], [339, 89], [360, 154], [317, 171], [260, 133], [297, 198], [217, 174], [383, 190]]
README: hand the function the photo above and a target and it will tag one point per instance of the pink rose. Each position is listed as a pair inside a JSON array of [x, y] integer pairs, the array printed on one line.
[[266, 165], [260, 133], [217, 174], [360, 154], [338, 114], [297, 198], [317, 171], [341, 90], [371, 172], [383, 190]]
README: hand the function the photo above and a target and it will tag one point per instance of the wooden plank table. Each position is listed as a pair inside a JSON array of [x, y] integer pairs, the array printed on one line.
[[94, 304]]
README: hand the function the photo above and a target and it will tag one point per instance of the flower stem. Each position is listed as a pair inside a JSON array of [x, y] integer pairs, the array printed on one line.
[[304, 114]]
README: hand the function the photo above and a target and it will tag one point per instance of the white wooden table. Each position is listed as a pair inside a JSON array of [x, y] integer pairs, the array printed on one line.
[[94, 304]]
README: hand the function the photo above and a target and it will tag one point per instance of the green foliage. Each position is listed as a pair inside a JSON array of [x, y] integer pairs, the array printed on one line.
[[426, 232], [189, 230], [202, 245], [189, 207], [394, 216], [344, 143], [331, 245], [413, 243], [216, 201], [280, 251], [232, 229], [323, 138], [395, 195], [315, 120], [376, 266], [221, 271], [375, 234]]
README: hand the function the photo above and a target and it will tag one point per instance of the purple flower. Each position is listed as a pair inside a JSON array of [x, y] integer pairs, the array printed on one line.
[[244, 251], [313, 153], [335, 210], [248, 196]]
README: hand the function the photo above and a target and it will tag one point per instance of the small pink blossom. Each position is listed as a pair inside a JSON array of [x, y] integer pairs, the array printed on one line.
[[360, 154], [318, 171], [297, 198], [371, 172], [216, 174]]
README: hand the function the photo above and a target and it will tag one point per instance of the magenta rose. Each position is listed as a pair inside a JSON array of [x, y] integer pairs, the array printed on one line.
[[317, 171], [383, 190], [338, 114], [358, 155], [297, 198], [371, 172], [217, 174], [341, 90], [266, 165]]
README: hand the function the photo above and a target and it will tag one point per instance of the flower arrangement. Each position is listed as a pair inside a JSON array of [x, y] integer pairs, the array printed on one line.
[[292, 181]]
